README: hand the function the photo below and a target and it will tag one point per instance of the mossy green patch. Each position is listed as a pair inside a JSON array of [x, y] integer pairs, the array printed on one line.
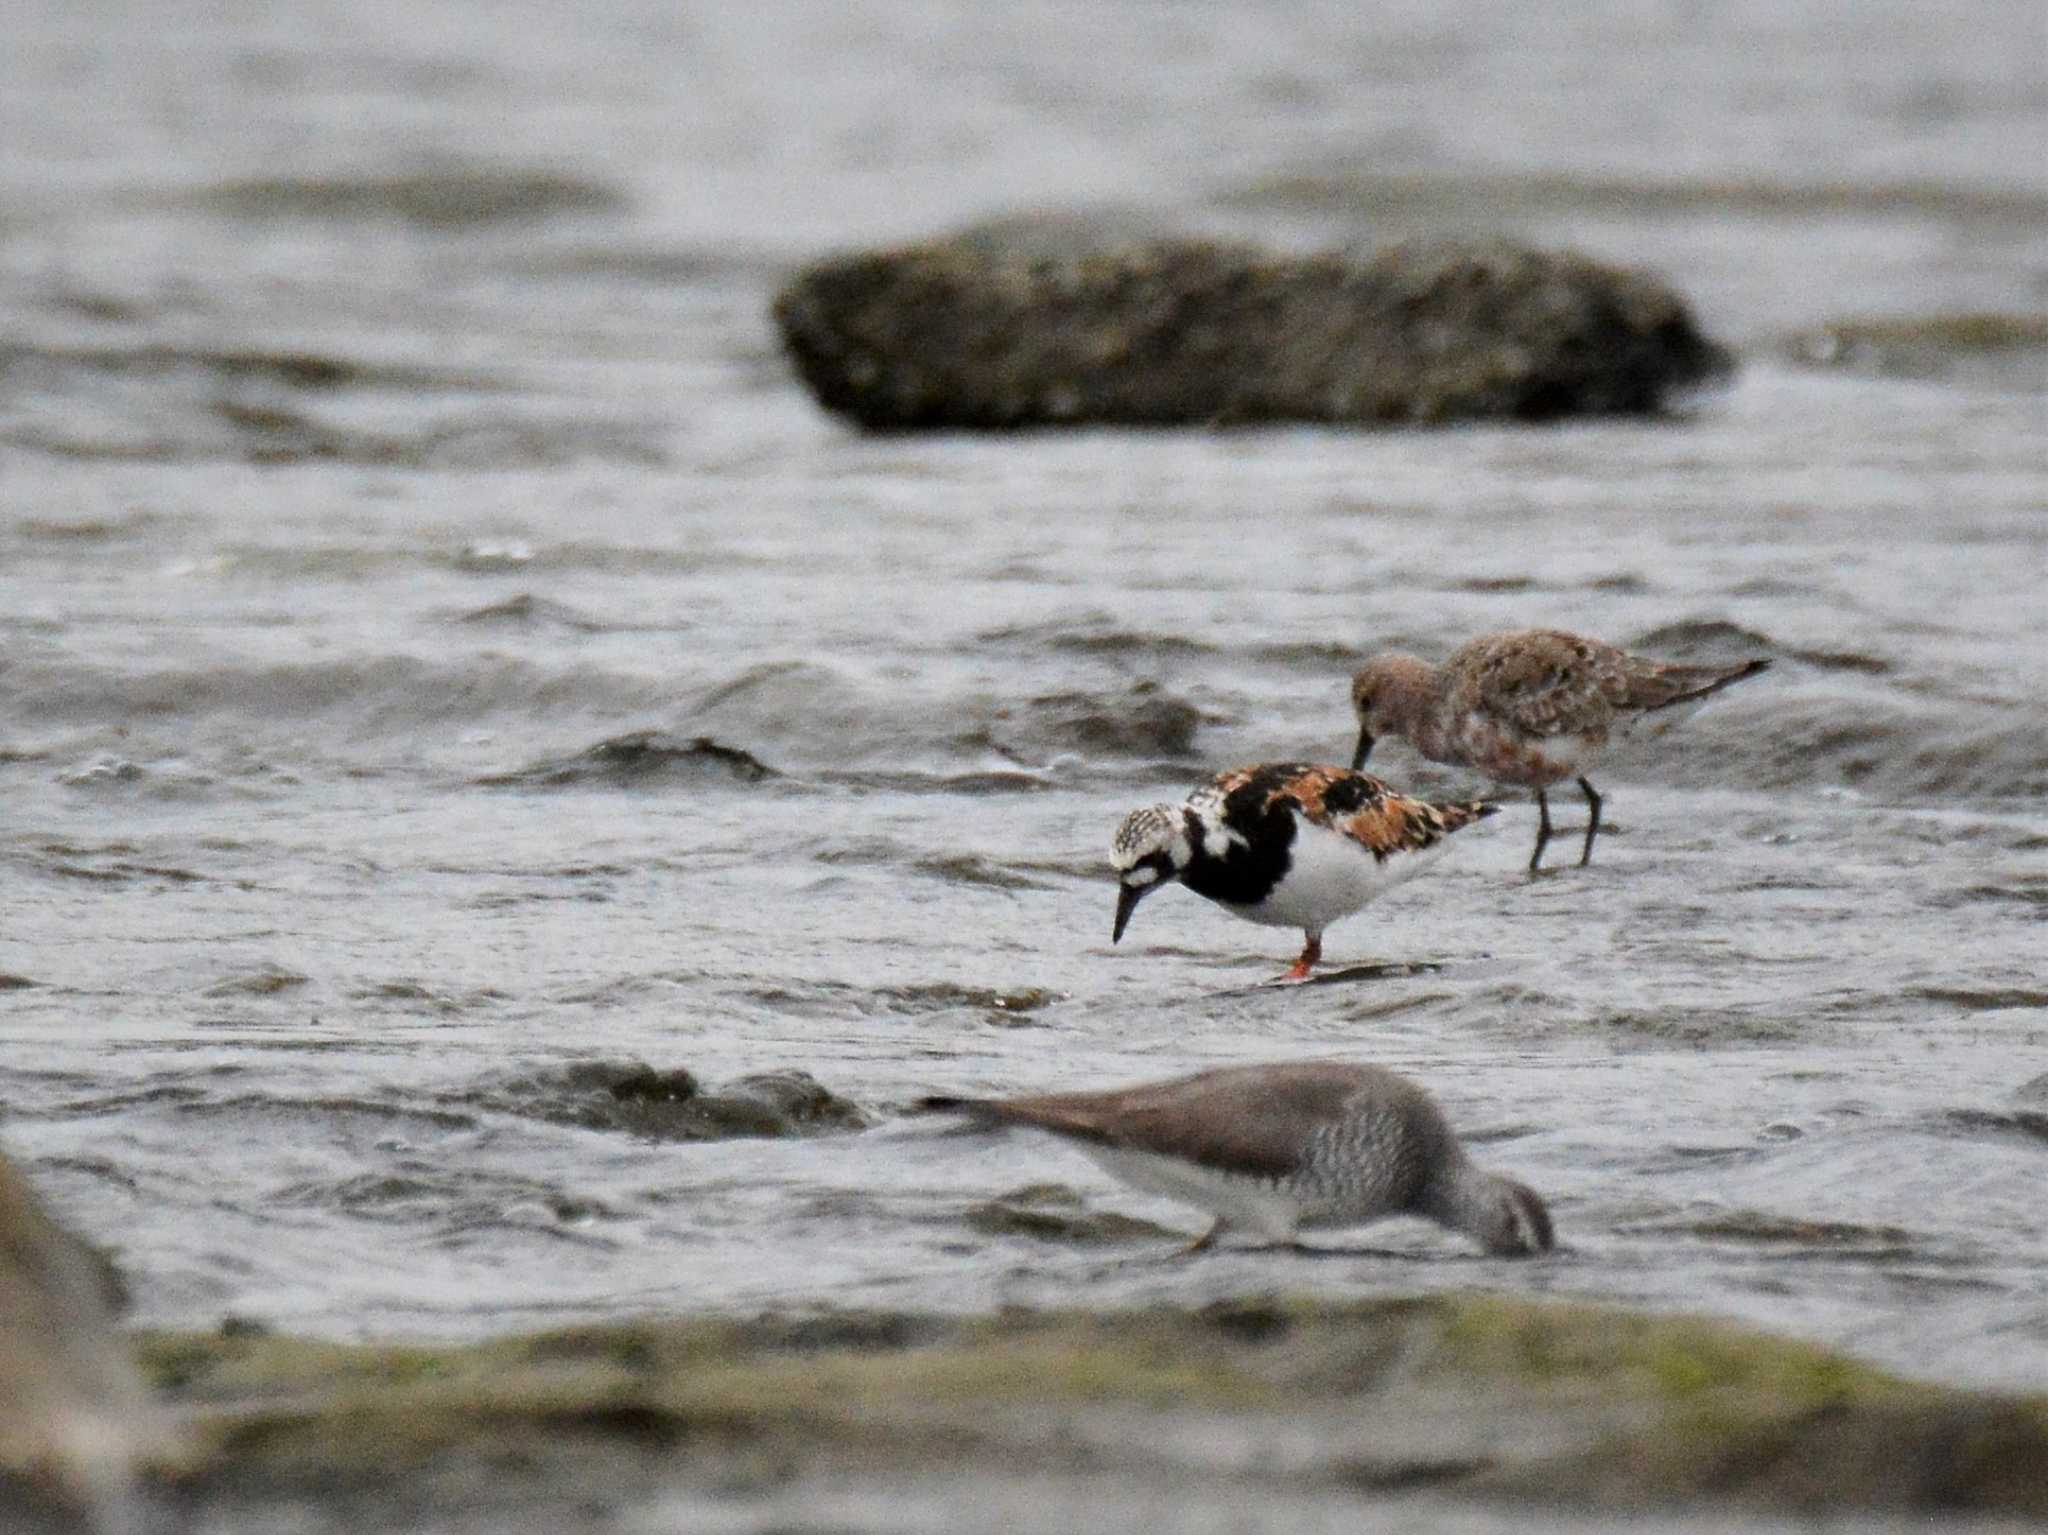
[[1563, 1401], [1671, 1359]]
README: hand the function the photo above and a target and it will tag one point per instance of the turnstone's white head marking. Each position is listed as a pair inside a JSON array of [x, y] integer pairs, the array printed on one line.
[[1270, 1149], [1529, 706], [1150, 850]]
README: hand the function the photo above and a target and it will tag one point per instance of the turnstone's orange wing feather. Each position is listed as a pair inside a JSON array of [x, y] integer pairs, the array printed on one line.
[[1325, 794], [1400, 824], [1322, 794], [1249, 794]]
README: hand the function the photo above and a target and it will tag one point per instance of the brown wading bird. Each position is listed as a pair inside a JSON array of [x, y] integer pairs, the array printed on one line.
[[1270, 1149], [1529, 707]]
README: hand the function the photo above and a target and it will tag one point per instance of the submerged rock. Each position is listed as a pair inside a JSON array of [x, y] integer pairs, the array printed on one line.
[[432, 197], [672, 1105], [1143, 720], [1551, 1411], [73, 1414], [1996, 347], [1055, 1213], [637, 760], [1022, 329]]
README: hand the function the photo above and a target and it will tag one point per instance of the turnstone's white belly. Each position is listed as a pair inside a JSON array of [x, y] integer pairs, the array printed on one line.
[[1329, 876], [1248, 1203]]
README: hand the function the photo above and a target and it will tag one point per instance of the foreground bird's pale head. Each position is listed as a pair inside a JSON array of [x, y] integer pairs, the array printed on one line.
[[1390, 695], [1150, 850]]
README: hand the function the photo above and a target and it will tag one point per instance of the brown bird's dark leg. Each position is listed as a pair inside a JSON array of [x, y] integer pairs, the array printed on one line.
[[1592, 822], [1206, 1240], [1542, 830], [1311, 953]]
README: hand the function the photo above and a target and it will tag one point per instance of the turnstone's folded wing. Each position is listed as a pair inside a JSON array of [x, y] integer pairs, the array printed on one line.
[[1380, 819], [1327, 796]]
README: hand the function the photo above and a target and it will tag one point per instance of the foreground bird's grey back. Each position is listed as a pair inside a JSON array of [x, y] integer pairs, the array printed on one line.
[[1260, 1122]]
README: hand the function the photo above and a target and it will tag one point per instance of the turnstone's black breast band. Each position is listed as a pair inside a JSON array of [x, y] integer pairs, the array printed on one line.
[[1241, 868]]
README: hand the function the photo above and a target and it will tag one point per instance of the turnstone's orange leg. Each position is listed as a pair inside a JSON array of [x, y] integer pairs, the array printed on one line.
[[1311, 953], [1543, 832], [1592, 822], [1206, 1240]]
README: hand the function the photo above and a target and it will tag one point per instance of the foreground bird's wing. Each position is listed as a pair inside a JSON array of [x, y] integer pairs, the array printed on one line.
[[1251, 1121]]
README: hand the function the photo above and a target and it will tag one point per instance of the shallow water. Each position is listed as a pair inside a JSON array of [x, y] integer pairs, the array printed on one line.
[[389, 413]]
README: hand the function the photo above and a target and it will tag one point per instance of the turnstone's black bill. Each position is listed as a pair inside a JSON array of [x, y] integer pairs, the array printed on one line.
[[1531, 707], [1271, 1149], [1284, 844]]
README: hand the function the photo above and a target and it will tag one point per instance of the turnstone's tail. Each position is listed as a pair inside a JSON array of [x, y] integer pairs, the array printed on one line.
[[1455, 816]]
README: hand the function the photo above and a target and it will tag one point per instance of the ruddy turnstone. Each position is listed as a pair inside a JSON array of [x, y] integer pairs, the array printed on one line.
[[1270, 1149], [1528, 707], [1283, 844]]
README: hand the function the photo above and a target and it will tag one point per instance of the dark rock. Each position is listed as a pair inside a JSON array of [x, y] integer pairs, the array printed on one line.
[[647, 1085], [1055, 1213], [642, 759], [671, 1105], [1147, 721], [527, 611], [1988, 346], [776, 1103], [438, 197], [994, 331]]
